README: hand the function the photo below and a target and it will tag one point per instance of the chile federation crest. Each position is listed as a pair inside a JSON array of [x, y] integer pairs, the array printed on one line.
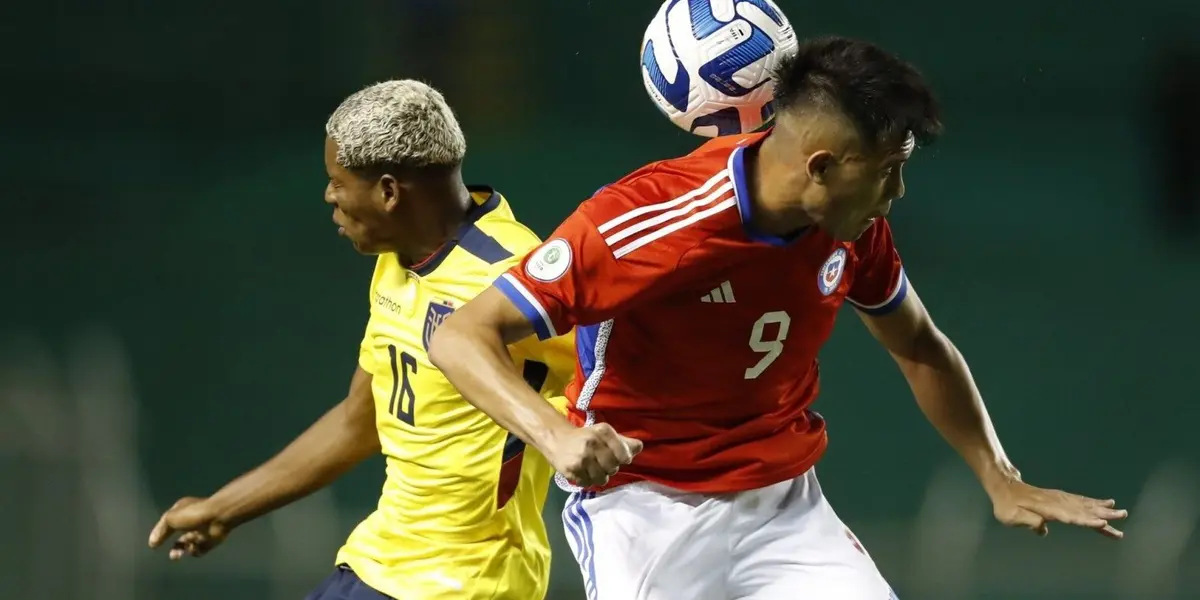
[[831, 272]]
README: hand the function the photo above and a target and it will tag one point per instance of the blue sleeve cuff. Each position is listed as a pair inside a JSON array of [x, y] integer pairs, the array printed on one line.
[[527, 304], [892, 303]]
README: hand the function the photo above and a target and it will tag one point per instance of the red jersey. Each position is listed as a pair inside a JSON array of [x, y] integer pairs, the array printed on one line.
[[695, 333]]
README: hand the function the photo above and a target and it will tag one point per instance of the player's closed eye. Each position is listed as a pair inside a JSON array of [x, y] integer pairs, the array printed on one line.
[[890, 170]]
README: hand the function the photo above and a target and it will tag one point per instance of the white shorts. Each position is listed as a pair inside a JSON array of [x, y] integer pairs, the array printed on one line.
[[645, 541]]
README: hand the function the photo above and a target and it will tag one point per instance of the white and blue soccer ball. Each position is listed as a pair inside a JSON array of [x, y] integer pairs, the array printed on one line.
[[707, 63]]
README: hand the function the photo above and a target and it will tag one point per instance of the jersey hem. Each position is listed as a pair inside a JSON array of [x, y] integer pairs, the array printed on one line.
[[727, 486], [369, 572], [893, 301], [382, 579], [525, 302]]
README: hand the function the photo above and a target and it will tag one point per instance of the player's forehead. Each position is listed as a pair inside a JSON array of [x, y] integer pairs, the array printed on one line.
[[330, 155], [894, 148]]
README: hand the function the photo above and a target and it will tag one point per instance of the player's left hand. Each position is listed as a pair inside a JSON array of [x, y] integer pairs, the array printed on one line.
[[1018, 504], [196, 522]]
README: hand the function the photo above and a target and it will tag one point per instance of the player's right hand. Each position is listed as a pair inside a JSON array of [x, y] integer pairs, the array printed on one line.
[[197, 523], [588, 456]]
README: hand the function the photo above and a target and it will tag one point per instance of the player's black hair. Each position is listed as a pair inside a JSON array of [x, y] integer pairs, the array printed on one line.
[[882, 94]]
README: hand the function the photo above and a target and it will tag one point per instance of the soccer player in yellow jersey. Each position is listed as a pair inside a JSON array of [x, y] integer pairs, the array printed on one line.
[[460, 513]]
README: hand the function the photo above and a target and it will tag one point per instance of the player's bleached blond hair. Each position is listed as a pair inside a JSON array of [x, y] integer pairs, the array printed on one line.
[[401, 123]]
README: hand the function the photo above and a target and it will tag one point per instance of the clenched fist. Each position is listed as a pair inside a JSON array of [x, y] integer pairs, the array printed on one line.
[[588, 456]]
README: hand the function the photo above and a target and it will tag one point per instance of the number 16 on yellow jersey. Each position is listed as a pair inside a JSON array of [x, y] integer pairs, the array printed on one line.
[[403, 402]]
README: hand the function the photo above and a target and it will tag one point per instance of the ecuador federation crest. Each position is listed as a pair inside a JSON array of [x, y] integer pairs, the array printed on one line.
[[434, 317]]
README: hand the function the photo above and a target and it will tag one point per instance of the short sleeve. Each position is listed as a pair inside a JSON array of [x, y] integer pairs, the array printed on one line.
[[366, 359], [575, 278], [880, 284]]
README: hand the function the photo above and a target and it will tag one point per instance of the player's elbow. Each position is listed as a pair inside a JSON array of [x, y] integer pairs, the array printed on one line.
[[445, 343], [927, 347], [479, 330], [452, 342]]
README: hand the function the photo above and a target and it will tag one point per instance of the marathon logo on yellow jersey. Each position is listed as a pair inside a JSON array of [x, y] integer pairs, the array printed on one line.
[[434, 317]]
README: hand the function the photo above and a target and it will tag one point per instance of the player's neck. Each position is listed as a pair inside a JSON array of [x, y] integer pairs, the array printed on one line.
[[447, 206], [776, 192]]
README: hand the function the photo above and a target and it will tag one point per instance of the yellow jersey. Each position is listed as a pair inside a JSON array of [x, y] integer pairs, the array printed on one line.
[[460, 515]]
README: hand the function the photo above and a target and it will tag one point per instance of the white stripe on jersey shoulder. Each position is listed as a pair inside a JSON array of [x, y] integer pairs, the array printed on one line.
[[722, 175], [675, 226], [715, 195]]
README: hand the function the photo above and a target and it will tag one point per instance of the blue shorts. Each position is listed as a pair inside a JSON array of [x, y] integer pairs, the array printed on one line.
[[345, 585]]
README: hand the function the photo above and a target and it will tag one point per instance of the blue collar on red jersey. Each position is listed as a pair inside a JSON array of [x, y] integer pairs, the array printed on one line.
[[741, 189]]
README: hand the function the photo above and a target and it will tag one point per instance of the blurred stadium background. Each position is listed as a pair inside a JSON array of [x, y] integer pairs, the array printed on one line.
[[176, 304]]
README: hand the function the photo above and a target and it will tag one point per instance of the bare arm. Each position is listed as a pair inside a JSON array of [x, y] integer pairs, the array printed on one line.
[[470, 350], [947, 394], [343, 437], [943, 387]]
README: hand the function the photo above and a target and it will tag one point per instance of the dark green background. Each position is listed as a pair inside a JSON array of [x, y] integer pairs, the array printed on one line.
[[162, 185]]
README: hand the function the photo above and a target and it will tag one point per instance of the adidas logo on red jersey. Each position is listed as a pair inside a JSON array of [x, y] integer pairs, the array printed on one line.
[[722, 294]]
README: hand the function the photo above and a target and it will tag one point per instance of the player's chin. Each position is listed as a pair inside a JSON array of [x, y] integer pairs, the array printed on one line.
[[368, 250], [363, 246], [359, 239]]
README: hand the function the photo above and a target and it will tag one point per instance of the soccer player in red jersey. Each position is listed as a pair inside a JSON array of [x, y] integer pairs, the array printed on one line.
[[701, 289]]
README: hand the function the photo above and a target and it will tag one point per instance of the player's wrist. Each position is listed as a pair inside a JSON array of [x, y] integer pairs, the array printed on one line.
[[550, 436], [225, 513], [996, 475], [242, 500]]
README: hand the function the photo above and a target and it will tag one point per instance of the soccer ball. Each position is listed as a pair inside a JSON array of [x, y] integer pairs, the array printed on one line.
[[707, 63]]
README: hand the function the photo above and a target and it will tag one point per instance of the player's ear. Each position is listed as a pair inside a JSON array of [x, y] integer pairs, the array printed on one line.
[[818, 166], [389, 191]]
